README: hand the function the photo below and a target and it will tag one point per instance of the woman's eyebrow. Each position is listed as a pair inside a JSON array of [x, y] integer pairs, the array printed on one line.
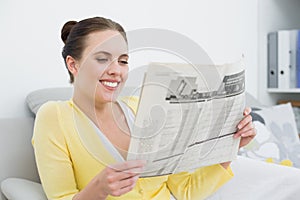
[[103, 52], [109, 54], [124, 55]]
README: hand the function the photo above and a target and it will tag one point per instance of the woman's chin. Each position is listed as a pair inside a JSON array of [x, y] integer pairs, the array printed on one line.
[[106, 95], [107, 98]]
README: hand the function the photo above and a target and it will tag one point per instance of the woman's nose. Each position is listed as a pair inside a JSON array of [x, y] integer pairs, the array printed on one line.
[[114, 68]]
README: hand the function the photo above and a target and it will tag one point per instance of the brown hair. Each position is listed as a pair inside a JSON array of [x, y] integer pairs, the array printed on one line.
[[74, 34]]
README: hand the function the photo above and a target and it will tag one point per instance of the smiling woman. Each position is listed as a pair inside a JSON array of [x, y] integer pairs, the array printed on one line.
[[81, 144], [102, 68]]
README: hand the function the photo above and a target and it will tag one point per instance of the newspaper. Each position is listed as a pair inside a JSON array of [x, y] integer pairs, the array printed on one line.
[[187, 116]]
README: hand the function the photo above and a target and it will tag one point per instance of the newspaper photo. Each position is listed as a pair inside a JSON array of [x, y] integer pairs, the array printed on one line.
[[187, 116]]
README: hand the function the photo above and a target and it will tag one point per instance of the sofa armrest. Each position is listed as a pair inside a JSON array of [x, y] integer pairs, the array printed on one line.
[[19, 189]]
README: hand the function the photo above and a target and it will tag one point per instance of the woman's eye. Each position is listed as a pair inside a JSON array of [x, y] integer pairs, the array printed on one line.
[[124, 62], [102, 60]]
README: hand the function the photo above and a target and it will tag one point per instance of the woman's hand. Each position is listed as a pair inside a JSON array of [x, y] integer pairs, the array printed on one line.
[[246, 131], [245, 128], [114, 180], [121, 178]]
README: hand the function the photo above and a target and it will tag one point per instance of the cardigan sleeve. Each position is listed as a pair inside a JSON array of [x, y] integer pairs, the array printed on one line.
[[52, 155], [200, 184]]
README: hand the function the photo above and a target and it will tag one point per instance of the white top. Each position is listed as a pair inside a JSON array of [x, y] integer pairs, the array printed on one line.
[[129, 116]]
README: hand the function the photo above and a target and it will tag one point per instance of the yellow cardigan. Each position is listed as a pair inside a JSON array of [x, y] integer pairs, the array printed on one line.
[[69, 154]]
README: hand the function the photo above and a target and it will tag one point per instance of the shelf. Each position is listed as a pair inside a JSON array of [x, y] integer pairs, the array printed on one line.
[[274, 15], [290, 90]]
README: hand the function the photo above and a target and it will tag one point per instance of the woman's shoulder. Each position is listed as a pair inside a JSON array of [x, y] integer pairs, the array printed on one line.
[[51, 107], [48, 122]]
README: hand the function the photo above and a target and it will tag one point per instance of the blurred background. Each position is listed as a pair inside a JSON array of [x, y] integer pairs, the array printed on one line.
[[30, 44]]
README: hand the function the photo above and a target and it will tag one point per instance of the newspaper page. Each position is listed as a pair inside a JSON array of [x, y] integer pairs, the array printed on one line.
[[187, 116]]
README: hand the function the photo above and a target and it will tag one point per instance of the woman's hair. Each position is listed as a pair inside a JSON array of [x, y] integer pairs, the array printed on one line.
[[74, 35]]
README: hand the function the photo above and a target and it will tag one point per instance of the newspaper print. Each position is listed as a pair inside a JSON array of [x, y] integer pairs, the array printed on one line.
[[187, 116]]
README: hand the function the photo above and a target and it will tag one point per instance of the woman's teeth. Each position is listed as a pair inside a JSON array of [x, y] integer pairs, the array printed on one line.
[[110, 84]]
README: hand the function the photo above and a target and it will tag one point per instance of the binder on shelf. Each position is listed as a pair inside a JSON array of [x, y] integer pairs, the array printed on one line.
[[283, 59], [298, 60], [293, 58], [272, 60]]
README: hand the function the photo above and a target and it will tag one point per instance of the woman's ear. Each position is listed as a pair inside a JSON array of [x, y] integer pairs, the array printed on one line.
[[72, 65]]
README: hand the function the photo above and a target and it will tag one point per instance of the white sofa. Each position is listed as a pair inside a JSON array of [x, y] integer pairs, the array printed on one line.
[[20, 181]]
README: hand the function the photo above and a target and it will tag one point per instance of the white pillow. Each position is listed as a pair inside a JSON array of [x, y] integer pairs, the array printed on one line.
[[21, 189], [38, 97]]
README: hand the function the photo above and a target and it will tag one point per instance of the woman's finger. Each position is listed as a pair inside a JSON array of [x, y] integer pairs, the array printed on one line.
[[121, 186], [249, 126], [122, 190], [115, 175], [247, 137], [249, 133], [246, 120], [128, 165], [247, 111], [128, 182]]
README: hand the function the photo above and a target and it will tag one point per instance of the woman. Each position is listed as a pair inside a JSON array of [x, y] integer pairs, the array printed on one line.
[[73, 139]]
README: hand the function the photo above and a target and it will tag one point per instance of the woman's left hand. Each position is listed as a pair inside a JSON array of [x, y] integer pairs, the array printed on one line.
[[245, 128]]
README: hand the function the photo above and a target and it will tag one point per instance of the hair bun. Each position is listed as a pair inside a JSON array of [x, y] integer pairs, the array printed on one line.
[[66, 29]]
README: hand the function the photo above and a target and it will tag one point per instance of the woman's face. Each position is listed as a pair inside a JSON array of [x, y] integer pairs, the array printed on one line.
[[103, 68]]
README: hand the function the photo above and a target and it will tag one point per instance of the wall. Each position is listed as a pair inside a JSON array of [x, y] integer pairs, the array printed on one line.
[[30, 51]]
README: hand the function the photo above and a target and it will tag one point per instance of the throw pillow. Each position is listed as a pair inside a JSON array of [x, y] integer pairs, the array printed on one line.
[[37, 98], [277, 137]]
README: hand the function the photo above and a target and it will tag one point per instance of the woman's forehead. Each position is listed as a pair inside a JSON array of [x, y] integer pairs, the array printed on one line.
[[106, 41]]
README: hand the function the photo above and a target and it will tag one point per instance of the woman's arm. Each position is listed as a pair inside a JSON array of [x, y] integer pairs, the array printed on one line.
[[199, 184], [56, 168], [52, 156]]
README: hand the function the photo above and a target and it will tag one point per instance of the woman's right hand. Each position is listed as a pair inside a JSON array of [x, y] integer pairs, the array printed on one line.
[[114, 180], [118, 179]]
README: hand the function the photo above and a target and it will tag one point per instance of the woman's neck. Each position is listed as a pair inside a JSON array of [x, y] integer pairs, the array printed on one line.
[[94, 110]]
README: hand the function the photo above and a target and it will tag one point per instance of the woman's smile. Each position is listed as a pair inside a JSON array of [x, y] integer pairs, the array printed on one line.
[[110, 84]]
